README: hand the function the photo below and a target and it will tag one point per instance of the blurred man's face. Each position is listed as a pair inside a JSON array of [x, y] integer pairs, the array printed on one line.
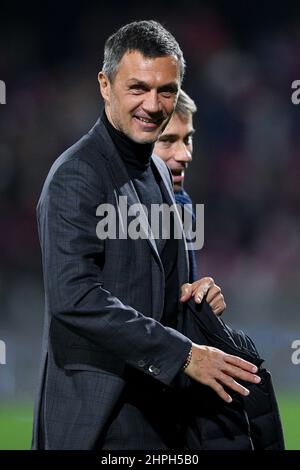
[[142, 97], [175, 146]]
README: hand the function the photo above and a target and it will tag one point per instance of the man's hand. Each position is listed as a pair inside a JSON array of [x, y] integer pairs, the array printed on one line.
[[201, 288], [211, 366]]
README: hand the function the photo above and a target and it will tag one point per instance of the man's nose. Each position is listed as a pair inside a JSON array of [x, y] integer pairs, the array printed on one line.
[[182, 153], [151, 102]]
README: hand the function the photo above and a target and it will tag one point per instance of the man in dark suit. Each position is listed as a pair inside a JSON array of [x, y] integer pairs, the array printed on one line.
[[112, 346]]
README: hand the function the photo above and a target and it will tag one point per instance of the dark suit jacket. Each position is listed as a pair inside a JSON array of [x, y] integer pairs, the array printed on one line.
[[103, 299]]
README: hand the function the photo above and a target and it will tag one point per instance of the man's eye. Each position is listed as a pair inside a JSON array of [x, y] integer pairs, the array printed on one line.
[[189, 140], [136, 89], [165, 143], [167, 94]]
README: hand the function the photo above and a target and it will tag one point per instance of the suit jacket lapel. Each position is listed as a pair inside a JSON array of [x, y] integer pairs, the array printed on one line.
[[183, 261], [122, 182]]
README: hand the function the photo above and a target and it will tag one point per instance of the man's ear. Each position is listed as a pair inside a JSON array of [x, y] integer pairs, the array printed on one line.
[[104, 86]]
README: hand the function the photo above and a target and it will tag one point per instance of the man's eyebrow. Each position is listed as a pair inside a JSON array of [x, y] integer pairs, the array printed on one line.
[[173, 87], [167, 135], [136, 81]]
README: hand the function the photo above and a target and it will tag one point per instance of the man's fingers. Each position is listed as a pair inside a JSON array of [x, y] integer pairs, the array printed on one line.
[[199, 294], [241, 363], [212, 293], [231, 383], [201, 287], [217, 387], [217, 301], [238, 373], [205, 282], [219, 310], [218, 305], [186, 292]]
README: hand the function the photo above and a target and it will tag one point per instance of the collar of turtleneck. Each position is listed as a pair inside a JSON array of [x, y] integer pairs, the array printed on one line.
[[133, 154]]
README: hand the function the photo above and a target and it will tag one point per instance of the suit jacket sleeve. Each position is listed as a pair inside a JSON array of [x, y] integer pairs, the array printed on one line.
[[72, 254]]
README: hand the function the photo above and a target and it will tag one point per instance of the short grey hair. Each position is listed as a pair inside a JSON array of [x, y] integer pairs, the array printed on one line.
[[149, 38]]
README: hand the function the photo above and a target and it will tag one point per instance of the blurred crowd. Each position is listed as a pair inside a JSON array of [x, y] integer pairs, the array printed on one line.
[[246, 165]]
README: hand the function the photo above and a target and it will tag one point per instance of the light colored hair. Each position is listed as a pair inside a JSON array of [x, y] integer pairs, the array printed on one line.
[[185, 105]]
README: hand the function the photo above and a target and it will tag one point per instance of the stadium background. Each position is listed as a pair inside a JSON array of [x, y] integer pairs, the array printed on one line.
[[241, 60]]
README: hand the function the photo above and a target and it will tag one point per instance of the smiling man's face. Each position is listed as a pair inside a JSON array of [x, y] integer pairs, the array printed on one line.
[[141, 99], [175, 146]]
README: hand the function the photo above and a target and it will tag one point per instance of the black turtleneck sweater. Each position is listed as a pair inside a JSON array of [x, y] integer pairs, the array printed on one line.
[[137, 160]]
